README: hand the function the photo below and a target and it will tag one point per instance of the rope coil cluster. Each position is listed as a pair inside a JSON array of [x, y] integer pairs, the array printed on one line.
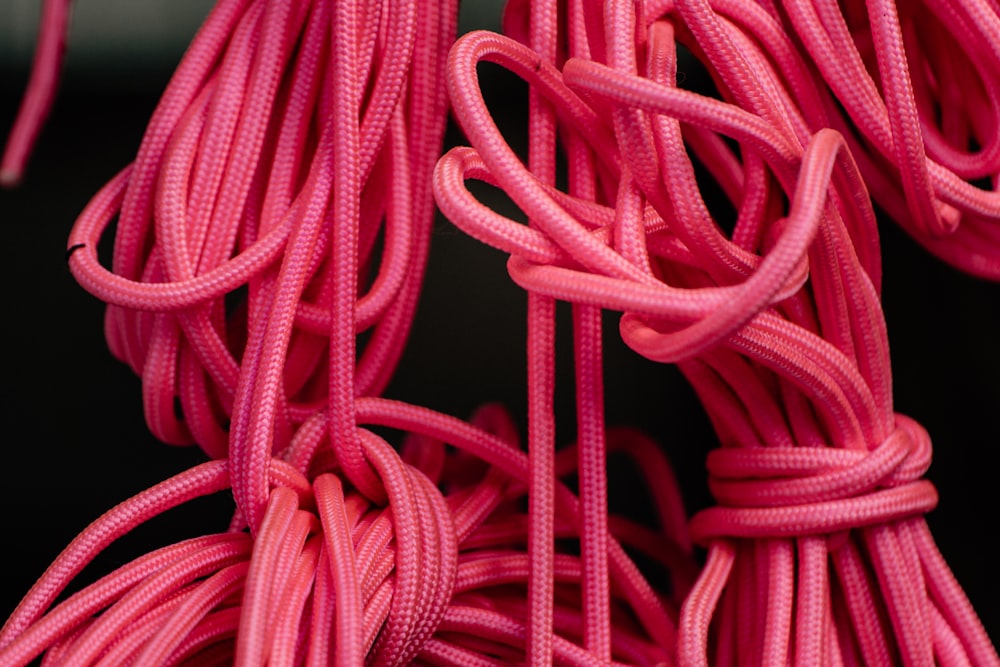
[[777, 325], [270, 243], [289, 159]]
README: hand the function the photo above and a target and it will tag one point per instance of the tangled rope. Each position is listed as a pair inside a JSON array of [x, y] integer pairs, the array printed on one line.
[[324, 580], [40, 94], [915, 92], [290, 159], [778, 325], [270, 244]]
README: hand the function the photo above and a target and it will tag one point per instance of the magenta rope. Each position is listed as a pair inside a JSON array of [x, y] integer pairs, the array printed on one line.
[[292, 157]]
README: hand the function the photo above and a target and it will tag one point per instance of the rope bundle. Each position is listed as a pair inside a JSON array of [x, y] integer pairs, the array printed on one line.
[[298, 592], [270, 243], [817, 552], [290, 159]]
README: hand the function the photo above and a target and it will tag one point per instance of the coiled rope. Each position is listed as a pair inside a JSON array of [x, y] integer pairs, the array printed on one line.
[[817, 552], [290, 159]]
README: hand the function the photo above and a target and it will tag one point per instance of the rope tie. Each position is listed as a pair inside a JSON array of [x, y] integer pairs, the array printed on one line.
[[795, 492]]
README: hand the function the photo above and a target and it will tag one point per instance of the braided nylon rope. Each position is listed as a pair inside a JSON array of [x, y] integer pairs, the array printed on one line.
[[271, 238]]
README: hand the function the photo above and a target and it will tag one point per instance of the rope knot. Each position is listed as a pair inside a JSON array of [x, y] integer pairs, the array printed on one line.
[[424, 556], [794, 492]]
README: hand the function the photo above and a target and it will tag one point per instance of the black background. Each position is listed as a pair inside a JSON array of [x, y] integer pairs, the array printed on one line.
[[74, 442]]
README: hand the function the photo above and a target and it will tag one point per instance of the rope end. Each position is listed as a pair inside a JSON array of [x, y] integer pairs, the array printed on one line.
[[10, 178]]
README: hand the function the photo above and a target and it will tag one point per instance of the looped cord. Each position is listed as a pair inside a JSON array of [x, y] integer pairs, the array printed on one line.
[[293, 138], [263, 171], [290, 159], [910, 85], [818, 552], [333, 579], [799, 492], [219, 280]]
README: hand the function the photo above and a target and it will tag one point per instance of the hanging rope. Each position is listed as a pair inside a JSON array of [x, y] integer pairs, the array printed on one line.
[[817, 551], [290, 159], [270, 241]]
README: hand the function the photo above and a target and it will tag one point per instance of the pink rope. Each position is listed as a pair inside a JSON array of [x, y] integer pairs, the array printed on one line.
[[814, 466], [40, 94], [916, 102], [292, 138], [292, 156], [151, 605]]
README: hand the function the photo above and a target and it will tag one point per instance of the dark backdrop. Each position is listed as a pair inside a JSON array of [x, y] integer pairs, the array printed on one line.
[[74, 441]]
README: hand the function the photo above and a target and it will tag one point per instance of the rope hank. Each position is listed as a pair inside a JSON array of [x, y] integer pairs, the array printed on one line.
[[270, 243], [817, 551], [289, 159]]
